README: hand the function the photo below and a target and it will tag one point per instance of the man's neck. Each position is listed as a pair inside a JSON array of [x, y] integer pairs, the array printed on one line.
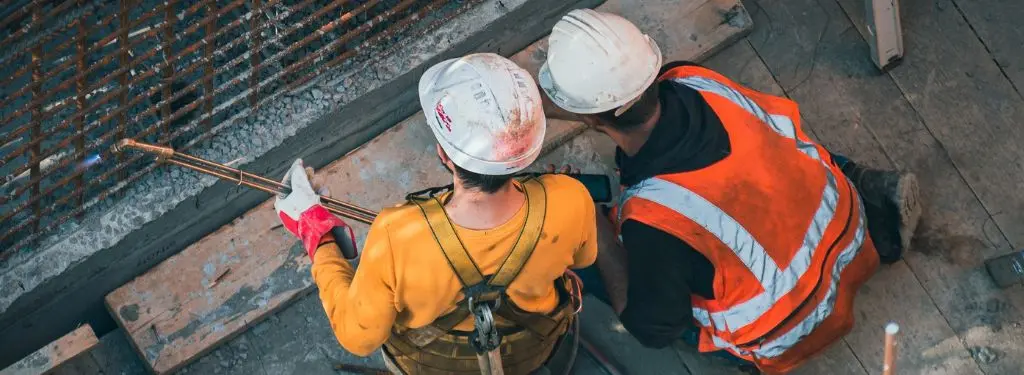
[[474, 209], [631, 142]]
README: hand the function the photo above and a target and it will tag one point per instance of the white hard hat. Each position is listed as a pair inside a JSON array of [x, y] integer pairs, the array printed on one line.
[[485, 111], [597, 62]]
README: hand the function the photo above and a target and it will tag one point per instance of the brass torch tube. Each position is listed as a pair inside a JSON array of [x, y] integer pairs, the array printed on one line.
[[337, 207], [241, 177]]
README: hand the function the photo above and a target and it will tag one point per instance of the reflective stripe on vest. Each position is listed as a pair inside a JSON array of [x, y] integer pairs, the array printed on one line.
[[775, 282]]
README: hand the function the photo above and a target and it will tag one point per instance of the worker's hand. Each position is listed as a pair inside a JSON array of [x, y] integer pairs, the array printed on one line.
[[566, 169], [303, 215]]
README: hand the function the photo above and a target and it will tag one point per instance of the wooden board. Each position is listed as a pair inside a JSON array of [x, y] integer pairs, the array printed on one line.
[[692, 30], [686, 30], [972, 120], [216, 288], [813, 52], [50, 357]]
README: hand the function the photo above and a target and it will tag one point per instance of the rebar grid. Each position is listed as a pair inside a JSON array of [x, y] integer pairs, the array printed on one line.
[[161, 71]]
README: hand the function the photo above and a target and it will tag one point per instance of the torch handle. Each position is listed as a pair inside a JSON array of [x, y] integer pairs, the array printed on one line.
[[254, 181]]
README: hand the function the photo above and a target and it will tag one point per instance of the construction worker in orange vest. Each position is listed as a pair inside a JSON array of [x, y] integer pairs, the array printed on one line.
[[742, 235], [473, 279]]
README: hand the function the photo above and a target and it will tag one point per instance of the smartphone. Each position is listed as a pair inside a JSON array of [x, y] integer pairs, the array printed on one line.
[[1007, 270], [599, 185]]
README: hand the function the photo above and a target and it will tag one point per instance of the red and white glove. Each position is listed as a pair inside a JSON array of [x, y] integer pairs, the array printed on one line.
[[303, 215]]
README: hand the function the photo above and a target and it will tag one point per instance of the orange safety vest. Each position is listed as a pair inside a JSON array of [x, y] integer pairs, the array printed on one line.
[[783, 227]]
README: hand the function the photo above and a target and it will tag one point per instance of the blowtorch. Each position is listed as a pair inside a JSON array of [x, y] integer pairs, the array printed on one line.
[[598, 185], [241, 177]]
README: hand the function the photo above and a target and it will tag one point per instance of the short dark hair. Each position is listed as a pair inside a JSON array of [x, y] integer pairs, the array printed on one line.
[[637, 115], [487, 183]]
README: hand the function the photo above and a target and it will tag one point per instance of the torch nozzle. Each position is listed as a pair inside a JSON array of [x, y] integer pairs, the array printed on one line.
[[161, 151], [119, 147]]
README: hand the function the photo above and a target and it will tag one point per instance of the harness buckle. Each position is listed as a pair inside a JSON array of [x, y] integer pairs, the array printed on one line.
[[575, 291], [485, 337]]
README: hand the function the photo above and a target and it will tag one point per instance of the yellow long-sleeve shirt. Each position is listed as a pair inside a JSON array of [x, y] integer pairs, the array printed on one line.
[[404, 278]]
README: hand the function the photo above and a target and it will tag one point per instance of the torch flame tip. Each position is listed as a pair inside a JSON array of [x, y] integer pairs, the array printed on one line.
[[122, 144]]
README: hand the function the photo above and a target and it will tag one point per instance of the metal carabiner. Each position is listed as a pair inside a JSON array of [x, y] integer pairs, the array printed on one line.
[[485, 339], [575, 292]]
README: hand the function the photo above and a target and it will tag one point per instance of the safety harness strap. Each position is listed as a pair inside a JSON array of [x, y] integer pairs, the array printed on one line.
[[473, 281], [455, 252], [444, 233], [536, 200]]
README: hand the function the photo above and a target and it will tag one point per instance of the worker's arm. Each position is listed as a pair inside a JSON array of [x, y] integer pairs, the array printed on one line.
[[658, 309], [588, 249], [359, 304], [612, 263]]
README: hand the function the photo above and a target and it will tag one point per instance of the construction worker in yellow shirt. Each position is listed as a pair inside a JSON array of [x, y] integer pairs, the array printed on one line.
[[470, 279]]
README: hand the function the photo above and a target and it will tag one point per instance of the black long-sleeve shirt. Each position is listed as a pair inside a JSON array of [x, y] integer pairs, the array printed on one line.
[[664, 271]]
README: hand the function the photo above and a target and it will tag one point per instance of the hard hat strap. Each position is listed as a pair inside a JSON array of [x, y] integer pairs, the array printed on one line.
[[625, 107]]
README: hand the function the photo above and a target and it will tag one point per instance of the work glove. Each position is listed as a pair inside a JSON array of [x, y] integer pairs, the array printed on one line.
[[566, 169], [303, 215]]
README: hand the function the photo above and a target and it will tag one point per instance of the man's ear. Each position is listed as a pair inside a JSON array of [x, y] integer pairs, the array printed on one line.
[[441, 155], [447, 161]]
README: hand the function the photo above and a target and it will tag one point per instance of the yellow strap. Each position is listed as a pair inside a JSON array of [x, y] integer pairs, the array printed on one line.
[[455, 251], [536, 200], [451, 245]]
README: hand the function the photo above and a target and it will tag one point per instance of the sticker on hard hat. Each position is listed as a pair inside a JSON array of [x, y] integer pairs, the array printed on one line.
[[442, 117]]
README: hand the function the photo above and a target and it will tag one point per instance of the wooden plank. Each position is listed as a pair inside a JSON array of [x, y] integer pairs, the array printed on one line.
[[688, 30], [50, 357], [216, 288], [997, 23], [975, 117], [742, 64], [822, 64]]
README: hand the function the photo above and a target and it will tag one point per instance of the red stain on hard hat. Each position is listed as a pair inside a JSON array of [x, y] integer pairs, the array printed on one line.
[[516, 139], [439, 109]]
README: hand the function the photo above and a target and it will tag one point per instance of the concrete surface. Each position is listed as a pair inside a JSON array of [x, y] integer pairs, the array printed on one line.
[[45, 292]]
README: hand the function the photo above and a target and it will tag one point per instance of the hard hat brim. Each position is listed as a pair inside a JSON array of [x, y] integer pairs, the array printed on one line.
[[492, 168], [551, 88]]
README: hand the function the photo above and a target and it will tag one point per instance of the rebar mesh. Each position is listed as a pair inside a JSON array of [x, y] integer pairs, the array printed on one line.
[[77, 75]]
